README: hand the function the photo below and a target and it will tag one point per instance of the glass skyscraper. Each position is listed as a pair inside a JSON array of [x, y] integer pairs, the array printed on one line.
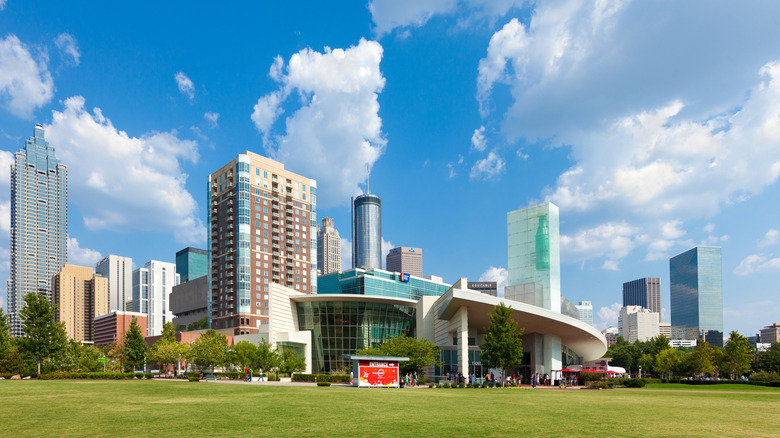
[[696, 285], [367, 232], [192, 263], [39, 222], [645, 292]]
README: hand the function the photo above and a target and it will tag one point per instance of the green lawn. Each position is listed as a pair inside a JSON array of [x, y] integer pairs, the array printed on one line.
[[165, 408]]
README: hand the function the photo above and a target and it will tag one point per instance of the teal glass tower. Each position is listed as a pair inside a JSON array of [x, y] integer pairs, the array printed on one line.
[[192, 263], [534, 259], [696, 286], [39, 222]]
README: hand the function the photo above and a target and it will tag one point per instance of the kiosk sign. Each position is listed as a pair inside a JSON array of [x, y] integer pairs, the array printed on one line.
[[378, 373]]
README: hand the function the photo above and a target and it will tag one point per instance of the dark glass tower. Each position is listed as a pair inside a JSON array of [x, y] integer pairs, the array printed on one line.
[[367, 231], [697, 295], [645, 292]]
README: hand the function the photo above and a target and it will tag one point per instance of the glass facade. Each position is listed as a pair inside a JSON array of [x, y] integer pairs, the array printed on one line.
[[645, 292], [39, 222], [192, 263], [367, 232], [697, 294], [533, 245], [380, 283], [344, 327]]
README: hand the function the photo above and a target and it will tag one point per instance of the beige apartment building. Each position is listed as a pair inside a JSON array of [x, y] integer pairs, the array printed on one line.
[[262, 230], [80, 296]]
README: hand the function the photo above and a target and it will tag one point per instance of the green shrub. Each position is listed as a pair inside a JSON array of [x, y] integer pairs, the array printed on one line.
[[193, 378], [421, 380], [513, 385], [333, 378], [590, 377], [634, 383], [431, 385], [764, 376], [445, 385], [461, 385], [149, 375], [323, 383]]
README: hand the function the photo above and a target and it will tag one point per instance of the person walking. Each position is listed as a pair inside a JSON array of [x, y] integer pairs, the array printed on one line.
[[246, 373], [260, 371], [250, 375], [534, 378]]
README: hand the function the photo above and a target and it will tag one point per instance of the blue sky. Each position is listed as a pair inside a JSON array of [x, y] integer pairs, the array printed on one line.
[[654, 126]]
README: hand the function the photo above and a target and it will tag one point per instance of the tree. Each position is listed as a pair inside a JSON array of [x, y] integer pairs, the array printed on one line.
[[291, 361], [738, 355], [167, 350], [702, 360], [421, 352], [267, 358], [770, 360], [244, 354], [209, 350], [198, 325], [503, 347], [6, 340], [134, 347], [43, 336], [668, 362]]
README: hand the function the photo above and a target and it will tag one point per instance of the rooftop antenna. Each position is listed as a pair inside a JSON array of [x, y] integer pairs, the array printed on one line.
[[368, 179]]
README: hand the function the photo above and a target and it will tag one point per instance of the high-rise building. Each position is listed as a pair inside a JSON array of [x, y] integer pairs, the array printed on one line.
[[189, 302], [534, 259], [611, 334], [696, 286], [262, 230], [111, 327], [152, 287], [39, 223], [645, 292], [405, 259], [328, 248], [367, 232], [486, 287], [636, 323], [80, 296], [770, 334], [585, 309], [665, 328], [534, 265], [192, 263], [119, 272]]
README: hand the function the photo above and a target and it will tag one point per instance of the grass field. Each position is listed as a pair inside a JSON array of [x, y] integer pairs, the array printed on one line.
[[166, 408]]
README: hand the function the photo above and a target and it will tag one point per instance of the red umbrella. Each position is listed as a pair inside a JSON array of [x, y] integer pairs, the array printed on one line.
[[567, 370], [593, 371], [612, 372]]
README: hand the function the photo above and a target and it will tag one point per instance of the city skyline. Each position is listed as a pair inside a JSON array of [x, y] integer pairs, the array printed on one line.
[[646, 150]]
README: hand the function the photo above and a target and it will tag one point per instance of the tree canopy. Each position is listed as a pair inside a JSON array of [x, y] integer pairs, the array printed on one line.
[[503, 346], [43, 337], [134, 346], [209, 350]]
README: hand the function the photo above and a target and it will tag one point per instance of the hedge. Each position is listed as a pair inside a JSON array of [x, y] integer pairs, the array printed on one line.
[[333, 378], [323, 383], [97, 375]]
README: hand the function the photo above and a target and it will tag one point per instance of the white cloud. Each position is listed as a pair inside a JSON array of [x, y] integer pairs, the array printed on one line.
[[611, 240], [700, 133], [488, 167], [386, 247], [25, 83], [120, 182], [69, 47], [185, 85], [212, 119], [771, 238], [757, 263], [610, 265], [478, 140], [2, 4], [709, 228], [454, 165], [390, 14], [499, 275], [81, 256], [608, 316], [337, 125]]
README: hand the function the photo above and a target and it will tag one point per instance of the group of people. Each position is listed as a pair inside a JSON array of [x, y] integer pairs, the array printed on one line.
[[248, 374], [410, 379], [539, 379]]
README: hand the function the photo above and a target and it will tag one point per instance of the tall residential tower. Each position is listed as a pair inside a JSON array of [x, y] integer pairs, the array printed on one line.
[[262, 230], [328, 248], [119, 272], [39, 223]]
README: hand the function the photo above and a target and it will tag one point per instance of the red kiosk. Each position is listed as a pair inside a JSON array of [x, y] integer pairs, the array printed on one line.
[[376, 371]]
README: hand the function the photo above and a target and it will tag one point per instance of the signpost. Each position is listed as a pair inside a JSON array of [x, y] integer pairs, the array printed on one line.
[[104, 360]]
